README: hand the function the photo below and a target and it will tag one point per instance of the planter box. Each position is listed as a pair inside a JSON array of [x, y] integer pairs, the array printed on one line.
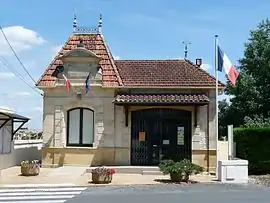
[[30, 169], [176, 177], [103, 178]]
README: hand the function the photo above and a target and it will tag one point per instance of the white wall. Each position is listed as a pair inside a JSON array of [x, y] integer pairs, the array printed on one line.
[[10, 156], [223, 150], [18, 155]]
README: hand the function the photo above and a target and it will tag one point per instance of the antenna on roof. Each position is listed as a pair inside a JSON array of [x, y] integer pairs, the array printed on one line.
[[74, 23], [100, 24], [186, 48]]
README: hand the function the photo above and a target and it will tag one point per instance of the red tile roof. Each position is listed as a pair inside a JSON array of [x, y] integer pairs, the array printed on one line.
[[168, 98], [132, 73], [94, 43], [162, 73]]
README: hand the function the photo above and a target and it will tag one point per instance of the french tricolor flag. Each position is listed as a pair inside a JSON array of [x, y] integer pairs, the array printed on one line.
[[68, 84], [224, 64]]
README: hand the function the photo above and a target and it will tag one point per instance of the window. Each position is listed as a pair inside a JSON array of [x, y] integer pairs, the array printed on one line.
[[80, 127]]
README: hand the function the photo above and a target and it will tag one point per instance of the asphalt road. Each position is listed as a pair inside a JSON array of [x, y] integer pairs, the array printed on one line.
[[203, 193]]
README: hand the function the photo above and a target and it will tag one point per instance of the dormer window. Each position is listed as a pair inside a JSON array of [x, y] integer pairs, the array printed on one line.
[[79, 62], [80, 44]]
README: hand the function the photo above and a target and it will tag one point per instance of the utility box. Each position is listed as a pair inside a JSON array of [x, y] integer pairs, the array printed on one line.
[[233, 171]]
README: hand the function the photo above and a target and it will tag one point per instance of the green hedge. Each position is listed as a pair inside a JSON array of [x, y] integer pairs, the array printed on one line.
[[253, 144]]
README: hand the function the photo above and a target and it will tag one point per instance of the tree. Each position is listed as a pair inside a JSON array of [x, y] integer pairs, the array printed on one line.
[[228, 115], [223, 107], [252, 90]]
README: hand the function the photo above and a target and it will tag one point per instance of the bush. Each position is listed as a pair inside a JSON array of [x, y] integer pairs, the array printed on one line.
[[253, 144], [179, 171]]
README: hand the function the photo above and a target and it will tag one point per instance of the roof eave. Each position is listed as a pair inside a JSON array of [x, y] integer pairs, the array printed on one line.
[[160, 104], [146, 87], [170, 87]]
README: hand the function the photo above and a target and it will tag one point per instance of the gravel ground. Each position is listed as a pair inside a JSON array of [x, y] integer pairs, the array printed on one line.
[[260, 180]]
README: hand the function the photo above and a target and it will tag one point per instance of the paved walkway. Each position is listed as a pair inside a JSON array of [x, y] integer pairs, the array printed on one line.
[[77, 176]]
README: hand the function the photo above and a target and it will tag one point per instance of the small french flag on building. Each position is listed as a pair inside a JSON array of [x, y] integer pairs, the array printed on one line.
[[224, 64], [67, 82]]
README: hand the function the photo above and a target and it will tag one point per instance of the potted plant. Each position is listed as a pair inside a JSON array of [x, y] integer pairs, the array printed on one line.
[[102, 175], [30, 168], [179, 171]]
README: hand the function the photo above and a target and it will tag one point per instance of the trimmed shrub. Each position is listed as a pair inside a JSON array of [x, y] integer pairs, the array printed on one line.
[[253, 144], [179, 171]]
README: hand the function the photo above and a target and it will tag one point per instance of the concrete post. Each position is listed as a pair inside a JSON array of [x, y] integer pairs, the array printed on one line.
[[230, 142]]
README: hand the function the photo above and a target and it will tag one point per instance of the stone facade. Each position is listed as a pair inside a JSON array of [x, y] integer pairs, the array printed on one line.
[[87, 56], [112, 138]]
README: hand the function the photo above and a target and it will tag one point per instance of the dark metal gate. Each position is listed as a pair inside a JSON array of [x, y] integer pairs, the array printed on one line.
[[158, 134]]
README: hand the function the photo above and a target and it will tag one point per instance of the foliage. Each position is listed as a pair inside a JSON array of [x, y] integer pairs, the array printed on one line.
[[223, 116], [253, 144], [183, 168], [33, 162], [252, 90], [228, 115], [258, 122], [169, 166], [102, 170]]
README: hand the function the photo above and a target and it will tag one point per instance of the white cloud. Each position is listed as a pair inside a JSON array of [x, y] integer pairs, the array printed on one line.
[[31, 64], [20, 38], [56, 49], [21, 94], [6, 75], [117, 57], [206, 66], [226, 97]]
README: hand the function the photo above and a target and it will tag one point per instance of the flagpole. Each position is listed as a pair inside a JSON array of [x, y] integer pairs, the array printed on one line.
[[216, 75]]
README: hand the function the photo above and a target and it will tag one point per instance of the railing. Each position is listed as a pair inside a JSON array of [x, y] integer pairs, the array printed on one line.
[[28, 138], [28, 135]]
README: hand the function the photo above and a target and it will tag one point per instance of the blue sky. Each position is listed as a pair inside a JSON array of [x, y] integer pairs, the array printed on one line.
[[152, 29]]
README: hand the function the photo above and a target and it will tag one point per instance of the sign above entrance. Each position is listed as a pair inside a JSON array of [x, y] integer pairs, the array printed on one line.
[[142, 136]]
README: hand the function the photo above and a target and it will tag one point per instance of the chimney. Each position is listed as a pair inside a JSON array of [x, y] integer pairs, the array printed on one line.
[[198, 62]]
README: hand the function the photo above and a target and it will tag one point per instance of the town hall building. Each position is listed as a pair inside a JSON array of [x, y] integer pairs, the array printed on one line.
[[101, 111]]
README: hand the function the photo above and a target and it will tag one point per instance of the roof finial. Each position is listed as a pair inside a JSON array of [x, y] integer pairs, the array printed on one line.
[[100, 24], [186, 48], [74, 23]]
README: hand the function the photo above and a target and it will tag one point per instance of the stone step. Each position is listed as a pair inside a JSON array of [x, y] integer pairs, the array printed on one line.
[[131, 169], [152, 173]]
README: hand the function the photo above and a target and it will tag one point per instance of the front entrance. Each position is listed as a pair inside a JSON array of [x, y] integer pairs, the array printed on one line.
[[158, 134]]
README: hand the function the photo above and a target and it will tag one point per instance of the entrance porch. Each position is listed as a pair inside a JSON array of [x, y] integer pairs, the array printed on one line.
[[162, 125], [160, 133]]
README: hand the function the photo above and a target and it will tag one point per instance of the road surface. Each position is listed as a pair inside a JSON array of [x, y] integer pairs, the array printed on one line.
[[203, 193]]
